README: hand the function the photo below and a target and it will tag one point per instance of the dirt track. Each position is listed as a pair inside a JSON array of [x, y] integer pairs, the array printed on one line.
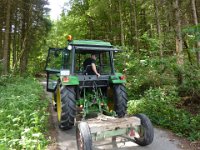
[[66, 140]]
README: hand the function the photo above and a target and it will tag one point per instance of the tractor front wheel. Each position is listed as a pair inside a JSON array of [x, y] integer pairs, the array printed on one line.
[[120, 100], [146, 132], [68, 107]]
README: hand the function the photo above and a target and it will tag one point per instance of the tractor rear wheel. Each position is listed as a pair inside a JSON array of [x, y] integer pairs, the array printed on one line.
[[146, 131], [120, 100], [83, 136], [68, 107]]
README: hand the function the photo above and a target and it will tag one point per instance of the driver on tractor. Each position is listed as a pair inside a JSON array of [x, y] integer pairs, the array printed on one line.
[[90, 67]]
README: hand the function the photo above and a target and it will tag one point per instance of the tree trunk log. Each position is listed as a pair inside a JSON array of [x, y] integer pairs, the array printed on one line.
[[6, 42]]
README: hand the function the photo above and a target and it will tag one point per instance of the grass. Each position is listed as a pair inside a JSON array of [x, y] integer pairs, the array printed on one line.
[[23, 114]]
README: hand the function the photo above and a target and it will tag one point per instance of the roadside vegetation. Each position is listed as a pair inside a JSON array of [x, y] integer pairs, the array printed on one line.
[[154, 89], [23, 114]]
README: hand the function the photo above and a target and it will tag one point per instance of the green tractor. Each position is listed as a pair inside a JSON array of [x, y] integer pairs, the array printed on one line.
[[77, 92]]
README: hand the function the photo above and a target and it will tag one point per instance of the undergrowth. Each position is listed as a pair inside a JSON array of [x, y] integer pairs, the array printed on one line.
[[23, 114], [154, 88], [159, 104]]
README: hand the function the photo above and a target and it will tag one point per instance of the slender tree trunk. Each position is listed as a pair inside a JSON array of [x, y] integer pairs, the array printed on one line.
[[131, 22], [2, 21], [24, 38], [1, 41], [9, 48], [6, 42], [121, 23], [194, 11], [111, 36], [14, 52], [136, 26], [179, 41], [168, 17], [158, 26]]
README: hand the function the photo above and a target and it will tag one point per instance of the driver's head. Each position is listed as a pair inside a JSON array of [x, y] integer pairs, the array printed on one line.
[[93, 56]]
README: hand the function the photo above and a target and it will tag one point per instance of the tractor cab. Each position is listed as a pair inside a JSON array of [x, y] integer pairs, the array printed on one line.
[[68, 64]]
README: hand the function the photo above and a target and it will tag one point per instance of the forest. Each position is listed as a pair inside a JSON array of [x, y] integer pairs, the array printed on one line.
[[161, 59]]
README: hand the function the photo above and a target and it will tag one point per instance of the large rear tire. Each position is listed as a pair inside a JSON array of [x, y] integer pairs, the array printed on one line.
[[146, 132], [68, 107], [120, 100], [83, 136]]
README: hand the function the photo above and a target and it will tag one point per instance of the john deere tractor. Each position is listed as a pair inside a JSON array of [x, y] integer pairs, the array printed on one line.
[[75, 92]]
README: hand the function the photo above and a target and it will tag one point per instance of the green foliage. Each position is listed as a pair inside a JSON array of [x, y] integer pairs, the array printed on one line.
[[192, 30], [160, 105], [146, 71], [151, 43], [192, 36], [39, 47], [191, 83], [153, 90], [23, 115]]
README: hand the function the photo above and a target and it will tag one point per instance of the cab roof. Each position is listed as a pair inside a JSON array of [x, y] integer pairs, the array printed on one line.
[[92, 43]]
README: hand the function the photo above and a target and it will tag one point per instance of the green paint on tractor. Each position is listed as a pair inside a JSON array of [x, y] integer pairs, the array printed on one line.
[[90, 43], [73, 80]]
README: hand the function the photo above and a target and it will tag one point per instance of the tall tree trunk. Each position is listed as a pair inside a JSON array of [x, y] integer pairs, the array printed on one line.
[[131, 22], [136, 26], [111, 36], [168, 18], [179, 41], [194, 11], [6, 42], [121, 24], [2, 21], [24, 38], [158, 27], [1, 41], [14, 52]]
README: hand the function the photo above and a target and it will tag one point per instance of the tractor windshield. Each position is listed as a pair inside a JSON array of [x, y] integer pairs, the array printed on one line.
[[102, 62], [58, 59]]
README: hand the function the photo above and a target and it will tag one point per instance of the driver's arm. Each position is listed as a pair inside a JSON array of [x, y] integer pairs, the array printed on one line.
[[95, 69]]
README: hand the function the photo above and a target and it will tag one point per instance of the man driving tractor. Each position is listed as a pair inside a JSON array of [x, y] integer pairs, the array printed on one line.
[[90, 67]]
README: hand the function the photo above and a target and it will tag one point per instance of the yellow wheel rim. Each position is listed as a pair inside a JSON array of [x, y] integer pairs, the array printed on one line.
[[59, 107]]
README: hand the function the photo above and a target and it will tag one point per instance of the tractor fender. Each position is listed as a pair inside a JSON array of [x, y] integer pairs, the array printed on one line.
[[117, 79], [72, 80]]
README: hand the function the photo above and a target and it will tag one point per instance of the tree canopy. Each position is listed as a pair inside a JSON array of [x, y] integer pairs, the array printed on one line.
[[157, 28]]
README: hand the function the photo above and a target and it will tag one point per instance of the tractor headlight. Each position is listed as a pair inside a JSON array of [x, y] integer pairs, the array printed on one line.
[[69, 47]]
